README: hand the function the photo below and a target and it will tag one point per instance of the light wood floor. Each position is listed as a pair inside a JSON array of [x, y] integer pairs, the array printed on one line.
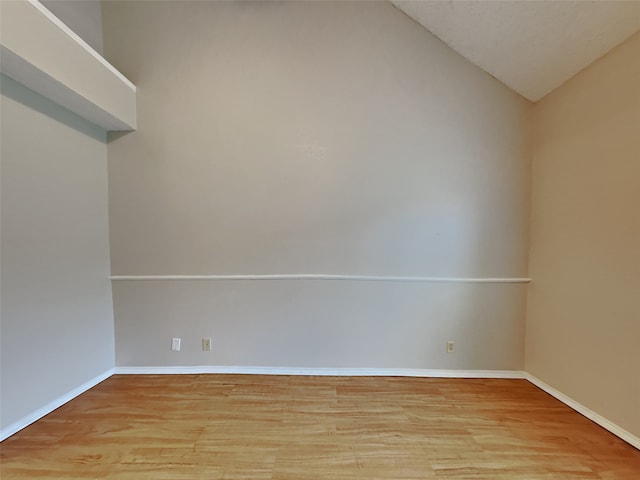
[[279, 427]]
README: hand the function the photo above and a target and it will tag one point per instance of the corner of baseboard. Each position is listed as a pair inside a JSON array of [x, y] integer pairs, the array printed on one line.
[[52, 405], [586, 412]]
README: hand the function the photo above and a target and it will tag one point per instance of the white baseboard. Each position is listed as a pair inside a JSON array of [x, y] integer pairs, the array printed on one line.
[[371, 372], [590, 414], [52, 405], [337, 372]]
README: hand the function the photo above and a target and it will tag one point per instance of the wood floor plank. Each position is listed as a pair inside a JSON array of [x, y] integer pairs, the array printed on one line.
[[280, 427]]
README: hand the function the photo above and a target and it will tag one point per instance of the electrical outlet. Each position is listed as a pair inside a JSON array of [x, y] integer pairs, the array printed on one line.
[[206, 344], [175, 344], [450, 346]]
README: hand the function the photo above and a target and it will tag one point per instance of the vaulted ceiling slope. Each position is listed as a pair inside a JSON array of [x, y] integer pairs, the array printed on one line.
[[532, 46]]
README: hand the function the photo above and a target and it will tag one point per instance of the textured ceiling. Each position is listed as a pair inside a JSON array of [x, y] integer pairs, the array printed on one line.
[[532, 46]]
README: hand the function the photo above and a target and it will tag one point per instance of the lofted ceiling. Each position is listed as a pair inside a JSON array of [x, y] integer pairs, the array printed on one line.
[[532, 46]]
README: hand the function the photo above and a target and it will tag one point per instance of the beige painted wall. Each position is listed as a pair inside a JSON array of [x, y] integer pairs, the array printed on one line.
[[82, 16], [313, 137], [56, 324], [583, 326]]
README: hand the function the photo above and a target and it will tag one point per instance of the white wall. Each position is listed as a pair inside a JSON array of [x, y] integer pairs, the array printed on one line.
[[56, 311], [313, 137], [583, 323], [320, 324]]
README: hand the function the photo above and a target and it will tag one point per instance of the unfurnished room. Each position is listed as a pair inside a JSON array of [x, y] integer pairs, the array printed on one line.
[[320, 239]]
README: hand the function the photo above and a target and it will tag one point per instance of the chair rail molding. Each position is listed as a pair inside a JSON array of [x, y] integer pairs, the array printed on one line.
[[324, 276]]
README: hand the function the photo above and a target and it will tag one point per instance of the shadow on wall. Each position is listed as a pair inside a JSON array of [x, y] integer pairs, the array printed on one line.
[[11, 89]]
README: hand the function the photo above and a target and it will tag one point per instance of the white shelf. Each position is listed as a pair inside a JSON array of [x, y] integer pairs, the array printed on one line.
[[42, 53]]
